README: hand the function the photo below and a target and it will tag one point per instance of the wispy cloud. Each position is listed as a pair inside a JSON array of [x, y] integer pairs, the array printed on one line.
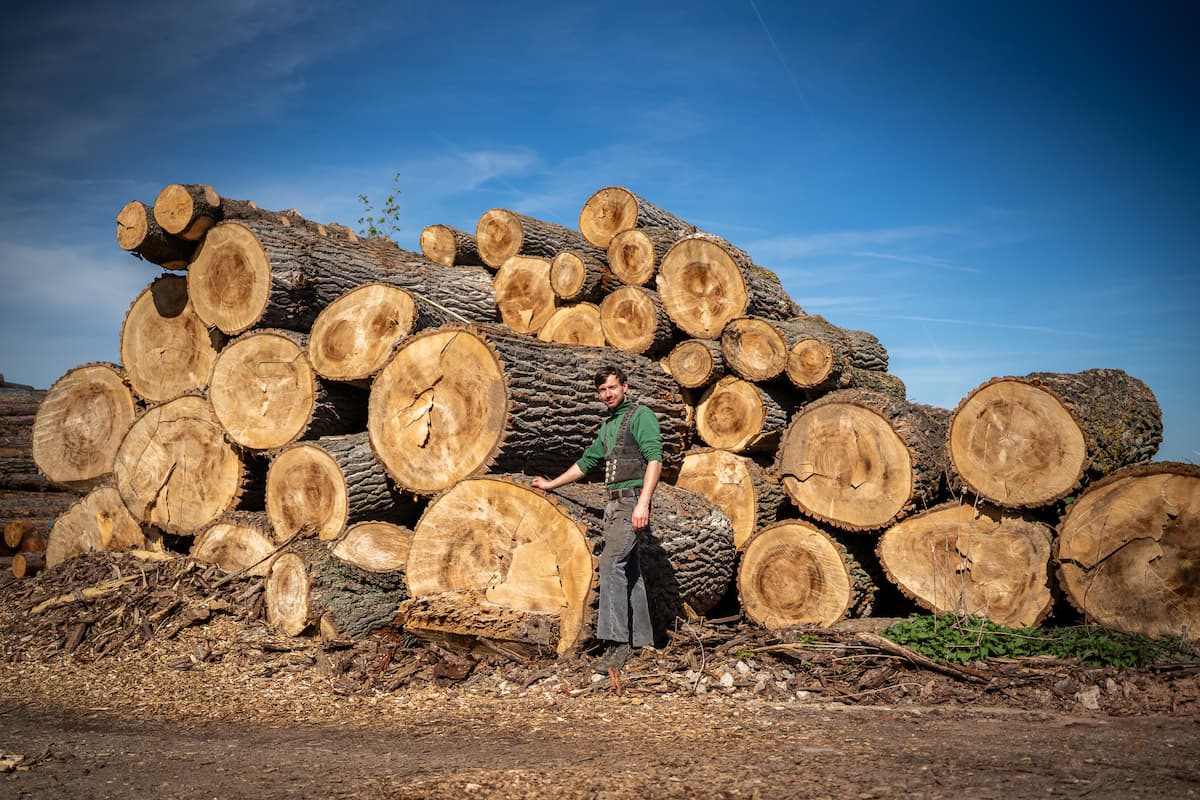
[[926, 261]]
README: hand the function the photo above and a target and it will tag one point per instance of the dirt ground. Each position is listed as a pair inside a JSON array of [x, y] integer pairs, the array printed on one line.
[[163, 682]]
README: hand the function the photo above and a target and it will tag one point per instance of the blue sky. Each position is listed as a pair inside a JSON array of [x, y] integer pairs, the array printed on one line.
[[991, 189]]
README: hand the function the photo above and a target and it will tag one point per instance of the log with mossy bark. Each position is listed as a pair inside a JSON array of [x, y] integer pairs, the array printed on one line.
[[972, 559], [860, 460], [448, 246], [459, 400], [747, 492], [1128, 550], [610, 210], [633, 319], [257, 272], [501, 234], [1025, 442]]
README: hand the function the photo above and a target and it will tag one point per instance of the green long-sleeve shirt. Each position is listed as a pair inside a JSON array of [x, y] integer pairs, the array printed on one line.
[[645, 430]]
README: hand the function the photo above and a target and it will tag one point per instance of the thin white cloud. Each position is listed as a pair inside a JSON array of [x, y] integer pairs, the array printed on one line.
[[926, 261]]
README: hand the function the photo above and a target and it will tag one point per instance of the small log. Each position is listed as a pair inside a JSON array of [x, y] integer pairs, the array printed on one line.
[[1128, 548], [577, 277], [860, 460], [819, 354], [239, 541], [633, 319], [1024, 442], [523, 293], [80, 425], [175, 469], [187, 210], [28, 564], [375, 546], [754, 348], [165, 348], [25, 507], [266, 395], [26, 534], [449, 246], [634, 253], [741, 416], [502, 234], [972, 560], [614, 208], [99, 521], [139, 233], [324, 485], [696, 363], [577, 324], [739, 486], [355, 335]]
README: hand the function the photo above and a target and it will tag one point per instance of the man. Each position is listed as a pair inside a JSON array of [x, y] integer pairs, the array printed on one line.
[[630, 443]]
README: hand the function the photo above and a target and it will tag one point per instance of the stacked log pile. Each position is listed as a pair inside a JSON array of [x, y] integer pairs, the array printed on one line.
[[356, 425]]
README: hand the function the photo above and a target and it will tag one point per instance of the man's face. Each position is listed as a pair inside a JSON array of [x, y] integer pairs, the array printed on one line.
[[612, 392]]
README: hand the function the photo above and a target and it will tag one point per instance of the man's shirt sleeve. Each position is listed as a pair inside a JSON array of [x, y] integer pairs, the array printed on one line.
[[647, 434], [594, 453]]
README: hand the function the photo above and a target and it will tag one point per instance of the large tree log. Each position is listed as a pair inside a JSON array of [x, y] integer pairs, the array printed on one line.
[[495, 559], [375, 546], [266, 394], [705, 282], [972, 560], [1024, 442], [502, 234], [1128, 550], [614, 208], [634, 253], [308, 585], [449, 246], [860, 460], [741, 416], [187, 210], [257, 272], [355, 335], [18, 409], [739, 486], [819, 354], [165, 348], [240, 541], [175, 469], [327, 484], [99, 521], [523, 293], [696, 363], [794, 573], [139, 232], [633, 319], [576, 277], [754, 348], [80, 425], [578, 324], [455, 401]]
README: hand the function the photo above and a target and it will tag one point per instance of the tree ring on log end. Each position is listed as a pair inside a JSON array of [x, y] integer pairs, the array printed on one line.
[[234, 545], [575, 325], [438, 244], [845, 464], [725, 479], [166, 348], [754, 348], [567, 275], [263, 390], [726, 414], [809, 363], [133, 224], [99, 521], [702, 288], [793, 574], [523, 293], [353, 337], [607, 212], [631, 257], [229, 278], [438, 410], [498, 234], [628, 318], [375, 546], [1044, 448], [286, 595], [306, 489]]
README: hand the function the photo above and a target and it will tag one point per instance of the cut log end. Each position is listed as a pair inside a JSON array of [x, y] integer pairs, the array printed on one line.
[[632, 257], [263, 390], [438, 244], [499, 235], [306, 491], [578, 325], [229, 279], [523, 293], [754, 348], [696, 363], [166, 348], [702, 287], [187, 211], [793, 574], [606, 213], [354, 336]]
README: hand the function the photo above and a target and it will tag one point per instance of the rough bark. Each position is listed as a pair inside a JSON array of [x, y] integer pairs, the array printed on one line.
[[696, 363], [187, 210], [882, 382], [240, 541], [308, 586], [635, 253], [754, 348], [577, 277], [577, 324], [1128, 550], [355, 335], [633, 319], [705, 282], [748, 494], [139, 233], [1024, 442], [99, 521], [819, 354], [258, 272], [972, 560], [741, 416], [866, 351], [166, 349], [80, 425], [502, 234], [22, 506], [266, 395], [18, 409], [860, 460], [456, 401], [175, 469], [614, 208], [324, 485], [523, 294], [449, 246]]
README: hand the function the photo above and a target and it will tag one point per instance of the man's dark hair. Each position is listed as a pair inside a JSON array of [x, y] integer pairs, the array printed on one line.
[[609, 369]]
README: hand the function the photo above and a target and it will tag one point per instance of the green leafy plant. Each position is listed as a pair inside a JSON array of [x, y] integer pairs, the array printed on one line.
[[963, 639], [387, 220]]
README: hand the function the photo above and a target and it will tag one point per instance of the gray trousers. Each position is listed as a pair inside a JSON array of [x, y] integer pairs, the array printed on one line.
[[624, 613]]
